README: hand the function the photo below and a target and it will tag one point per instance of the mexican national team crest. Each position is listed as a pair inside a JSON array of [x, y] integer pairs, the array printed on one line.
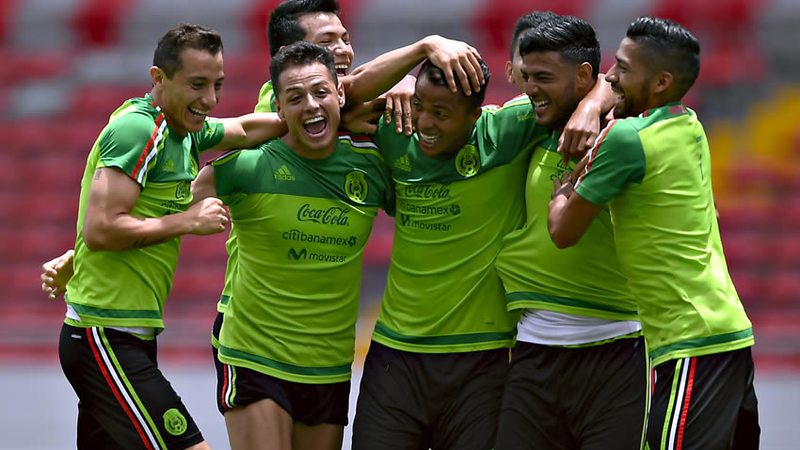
[[174, 422], [355, 186], [467, 161]]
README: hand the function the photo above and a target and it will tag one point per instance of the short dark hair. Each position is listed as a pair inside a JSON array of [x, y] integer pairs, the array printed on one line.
[[524, 23], [436, 76], [301, 53], [179, 38], [284, 26], [570, 36], [668, 46]]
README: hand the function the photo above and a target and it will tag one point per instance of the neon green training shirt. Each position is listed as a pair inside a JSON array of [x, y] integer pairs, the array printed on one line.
[[654, 172], [443, 293], [301, 227], [129, 288]]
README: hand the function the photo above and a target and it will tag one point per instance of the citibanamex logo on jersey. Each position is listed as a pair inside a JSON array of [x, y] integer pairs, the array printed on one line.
[[325, 216], [356, 187], [468, 162]]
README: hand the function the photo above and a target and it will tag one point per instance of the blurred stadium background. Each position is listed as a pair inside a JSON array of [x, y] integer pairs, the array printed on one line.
[[66, 64]]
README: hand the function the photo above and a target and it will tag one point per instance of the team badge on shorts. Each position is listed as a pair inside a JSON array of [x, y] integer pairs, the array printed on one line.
[[174, 422], [355, 186], [467, 161]]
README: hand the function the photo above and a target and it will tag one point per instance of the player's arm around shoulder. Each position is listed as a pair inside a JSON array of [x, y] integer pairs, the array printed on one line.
[[109, 224], [250, 130], [601, 176]]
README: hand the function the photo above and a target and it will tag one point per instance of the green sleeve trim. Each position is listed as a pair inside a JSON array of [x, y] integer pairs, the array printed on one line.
[[282, 366], [224, 299], [564, 301], [702, 342], [455, 339]]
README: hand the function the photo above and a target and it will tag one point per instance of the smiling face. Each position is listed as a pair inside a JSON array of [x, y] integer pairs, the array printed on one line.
[[194, 90], [552, 86], [309, 101], [326, 30], [443, 120], [631, 80]]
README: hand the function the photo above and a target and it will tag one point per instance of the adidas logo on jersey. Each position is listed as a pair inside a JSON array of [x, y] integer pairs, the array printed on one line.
[[403, 163], [283, 174]]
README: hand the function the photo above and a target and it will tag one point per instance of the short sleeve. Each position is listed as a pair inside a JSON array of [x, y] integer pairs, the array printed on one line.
[[504, 132], [130, 144], [616, 160], [212, 133]]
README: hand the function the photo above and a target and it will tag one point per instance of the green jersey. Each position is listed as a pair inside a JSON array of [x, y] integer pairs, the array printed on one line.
[[583, 280], [443, 294], [128, 288], [266, 103], [654, 172], [301, 227]]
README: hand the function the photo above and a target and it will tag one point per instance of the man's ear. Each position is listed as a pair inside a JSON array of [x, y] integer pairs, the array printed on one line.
[[583, 78], [279, 110], [510, 72], [156, 75], [340, 94], [662, 82]]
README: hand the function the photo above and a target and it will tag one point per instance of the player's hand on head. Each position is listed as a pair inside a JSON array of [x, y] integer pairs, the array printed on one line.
[[398, 105], [458, 60], [208, 216], [55, 275], [362, 118]]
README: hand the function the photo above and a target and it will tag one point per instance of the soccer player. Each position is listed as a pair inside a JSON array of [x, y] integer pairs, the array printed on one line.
[[578, 373], [315, 21], [434, 372], [652, 168], [303, 206], [135, 203]]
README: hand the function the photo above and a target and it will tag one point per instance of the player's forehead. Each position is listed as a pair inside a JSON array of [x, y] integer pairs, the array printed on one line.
[[305, 76], [320, 24], [200, 64]]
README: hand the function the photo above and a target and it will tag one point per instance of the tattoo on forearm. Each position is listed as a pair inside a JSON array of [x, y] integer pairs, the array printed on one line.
[[97, 174]]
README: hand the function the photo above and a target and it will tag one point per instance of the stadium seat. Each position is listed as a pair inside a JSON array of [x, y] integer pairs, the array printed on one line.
[[97, 23]]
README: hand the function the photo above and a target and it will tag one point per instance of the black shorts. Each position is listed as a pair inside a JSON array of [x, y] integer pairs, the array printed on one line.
[[575, 398], [219, 368], [311, 404], [124, 400], [419, 400], [705, 402]]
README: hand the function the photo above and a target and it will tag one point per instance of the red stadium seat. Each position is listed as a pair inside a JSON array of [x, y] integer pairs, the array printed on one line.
[[97, 23]]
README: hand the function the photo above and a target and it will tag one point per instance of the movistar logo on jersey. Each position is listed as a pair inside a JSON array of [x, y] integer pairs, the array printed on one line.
[[325, 216], [468, 162], [305, 255], [403, 163], [355, 186], [283, 174], [294, 254]]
